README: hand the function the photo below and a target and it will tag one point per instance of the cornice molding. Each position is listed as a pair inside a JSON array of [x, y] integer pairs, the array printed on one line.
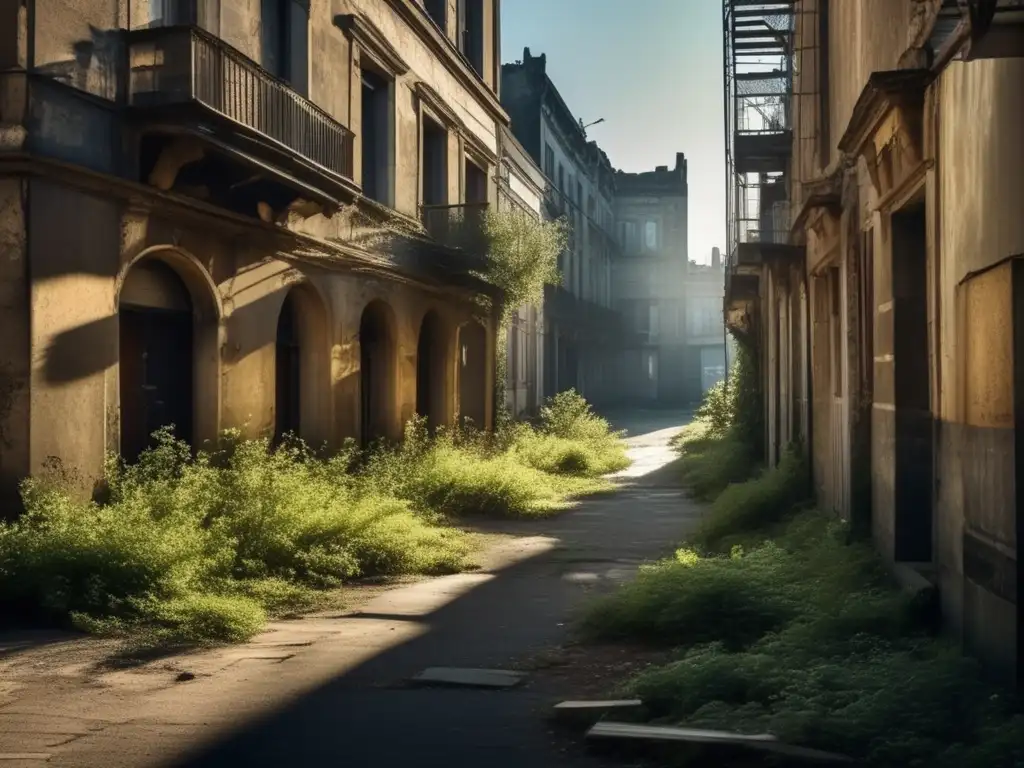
[[433, 99], [416, 17], [359, 28]]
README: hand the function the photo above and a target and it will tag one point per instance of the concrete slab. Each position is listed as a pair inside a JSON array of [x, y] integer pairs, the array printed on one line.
[[472, 678], [761, 742], [583, 714], [611, 730]]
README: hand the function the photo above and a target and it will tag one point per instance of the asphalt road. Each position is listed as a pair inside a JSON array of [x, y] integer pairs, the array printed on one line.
[[343, 699]]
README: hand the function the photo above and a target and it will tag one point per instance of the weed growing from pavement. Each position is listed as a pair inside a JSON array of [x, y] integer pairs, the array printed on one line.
[[207, 547], [784, 623]]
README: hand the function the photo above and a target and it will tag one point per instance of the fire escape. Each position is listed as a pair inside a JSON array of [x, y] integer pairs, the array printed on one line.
[[758, 53]]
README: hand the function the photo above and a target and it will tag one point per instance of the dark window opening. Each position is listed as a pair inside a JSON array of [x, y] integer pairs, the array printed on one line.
[[471, 33], [287, 373], [376, 133], [438, 11], [549, 161], [435, 163], [824, 128], [912, 386], [476, 183], [285, 41]]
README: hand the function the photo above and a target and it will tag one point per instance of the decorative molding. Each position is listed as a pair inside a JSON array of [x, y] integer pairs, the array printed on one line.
[[361, 30], [887, 127], [432, 99]]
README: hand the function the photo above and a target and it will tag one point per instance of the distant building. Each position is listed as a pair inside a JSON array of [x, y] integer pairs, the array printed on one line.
[[672, 307], [582, 331]]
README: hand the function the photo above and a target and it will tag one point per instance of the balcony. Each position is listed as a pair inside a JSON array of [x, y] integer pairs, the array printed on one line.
[[184, 78], [460, 226]]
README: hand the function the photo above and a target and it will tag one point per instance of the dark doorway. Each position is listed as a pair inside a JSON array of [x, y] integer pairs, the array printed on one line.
[[288, 367], [377, 372], [156, 354], [430, 372], [912, 386], [435, 163], [476, 183], [473, 374]]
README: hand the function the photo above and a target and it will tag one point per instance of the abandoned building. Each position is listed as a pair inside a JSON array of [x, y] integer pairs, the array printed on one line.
[[582, 330], [876, 265], [217, 214], [672, 306]]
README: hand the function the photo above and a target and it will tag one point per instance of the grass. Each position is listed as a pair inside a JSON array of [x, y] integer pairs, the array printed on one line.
[[798, 631], [207, 548]]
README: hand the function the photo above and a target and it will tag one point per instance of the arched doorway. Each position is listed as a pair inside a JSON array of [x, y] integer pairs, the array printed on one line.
[[473, 374], [377, 349], [287, 373], [431, 371], [155, 316]]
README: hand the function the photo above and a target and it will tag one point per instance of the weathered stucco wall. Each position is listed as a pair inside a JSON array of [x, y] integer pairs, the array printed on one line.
[[981, 184], [14, 341]]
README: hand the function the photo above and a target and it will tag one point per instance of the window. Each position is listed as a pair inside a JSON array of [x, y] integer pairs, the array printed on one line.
[[549, 161], [655, 323], [627, 235], [651, 235], [471, 33], [561, 177], [438, 11], [476, 183], [579, 193], [377, 135], [284, 33], [435, 163], [824, 130]]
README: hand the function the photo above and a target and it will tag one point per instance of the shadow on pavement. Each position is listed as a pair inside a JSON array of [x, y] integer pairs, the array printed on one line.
[[370, 716]]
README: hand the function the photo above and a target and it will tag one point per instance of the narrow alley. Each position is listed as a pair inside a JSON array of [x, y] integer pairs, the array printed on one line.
[[327, 690]]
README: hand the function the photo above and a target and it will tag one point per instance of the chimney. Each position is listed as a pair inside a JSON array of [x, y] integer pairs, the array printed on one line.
[[681, 165], [661, 169], [716, 257]]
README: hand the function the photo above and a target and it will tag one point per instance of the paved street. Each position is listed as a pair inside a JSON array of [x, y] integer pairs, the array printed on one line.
[[332, 690]]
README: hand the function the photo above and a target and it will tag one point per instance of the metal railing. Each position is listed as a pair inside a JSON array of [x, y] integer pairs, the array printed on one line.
[[456, 226], [179, 65]]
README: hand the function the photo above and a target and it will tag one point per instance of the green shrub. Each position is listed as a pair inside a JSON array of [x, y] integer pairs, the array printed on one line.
[[820, 650], [710, 464], [754, 505], [204, 548]]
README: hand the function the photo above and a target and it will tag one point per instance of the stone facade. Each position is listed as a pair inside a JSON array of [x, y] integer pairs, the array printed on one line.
[[582, 330], [220, 219], [888, 324]]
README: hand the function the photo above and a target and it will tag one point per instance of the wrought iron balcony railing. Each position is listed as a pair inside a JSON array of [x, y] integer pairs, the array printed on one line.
[[183, 65], [457, 226]]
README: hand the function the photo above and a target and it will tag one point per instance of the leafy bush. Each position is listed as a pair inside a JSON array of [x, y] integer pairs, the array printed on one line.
[[753, 505], [206, 547], [470, 473], [203, 548], [708, 464], [571, 439], [805, 638]]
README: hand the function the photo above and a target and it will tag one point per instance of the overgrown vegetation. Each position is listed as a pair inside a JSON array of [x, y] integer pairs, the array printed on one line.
[[724, 444], [207, 547], [781, 621]]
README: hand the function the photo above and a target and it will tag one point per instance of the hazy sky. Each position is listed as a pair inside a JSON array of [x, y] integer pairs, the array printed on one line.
[[653, 70]]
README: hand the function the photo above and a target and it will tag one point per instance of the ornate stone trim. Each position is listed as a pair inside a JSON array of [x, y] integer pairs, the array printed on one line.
[[364, 32], [886, 127]]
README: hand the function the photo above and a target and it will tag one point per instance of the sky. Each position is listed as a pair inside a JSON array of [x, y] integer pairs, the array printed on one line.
[[653, 70]]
